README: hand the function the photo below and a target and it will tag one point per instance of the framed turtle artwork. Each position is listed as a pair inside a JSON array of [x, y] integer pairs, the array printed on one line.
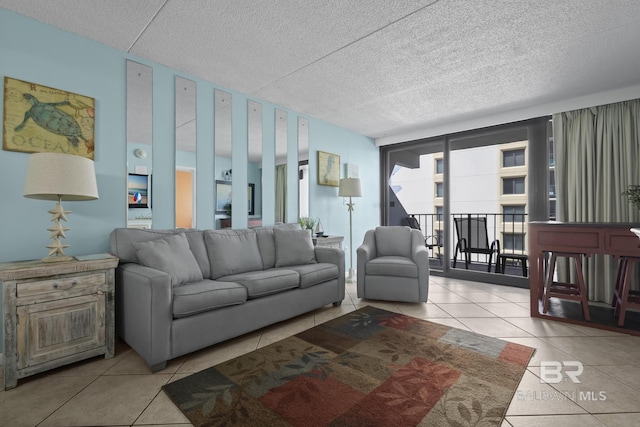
[[38, 119]]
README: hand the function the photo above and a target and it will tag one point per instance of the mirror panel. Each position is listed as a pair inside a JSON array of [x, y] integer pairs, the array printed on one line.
[[139, 144], [281, 165], [254, 166], [222, 162], [303, 167], [185, 153]]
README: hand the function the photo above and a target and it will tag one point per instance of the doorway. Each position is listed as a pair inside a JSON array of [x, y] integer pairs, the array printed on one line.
[[185, 189]]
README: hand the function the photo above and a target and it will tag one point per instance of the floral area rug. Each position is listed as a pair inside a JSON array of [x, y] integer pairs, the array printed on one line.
[[370, 367]]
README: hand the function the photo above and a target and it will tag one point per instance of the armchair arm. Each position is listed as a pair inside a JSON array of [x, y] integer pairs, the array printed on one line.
[[144, 311], [364, 253], [420, 256], [334, 256]]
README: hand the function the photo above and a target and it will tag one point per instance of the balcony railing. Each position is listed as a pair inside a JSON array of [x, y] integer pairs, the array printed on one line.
[[509, 229]]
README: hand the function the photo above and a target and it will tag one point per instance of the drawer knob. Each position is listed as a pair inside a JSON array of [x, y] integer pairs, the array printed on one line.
[[56, 285]]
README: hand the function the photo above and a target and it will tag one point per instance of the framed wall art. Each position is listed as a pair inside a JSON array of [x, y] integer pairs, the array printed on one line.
[[138, 191], [328, 169], [39, 119]]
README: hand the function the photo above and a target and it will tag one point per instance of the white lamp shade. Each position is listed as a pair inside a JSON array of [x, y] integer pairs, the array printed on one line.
[[350, 187], [54, 175]]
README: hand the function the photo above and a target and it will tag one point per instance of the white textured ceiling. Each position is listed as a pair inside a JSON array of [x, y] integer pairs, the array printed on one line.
[[378, 67]]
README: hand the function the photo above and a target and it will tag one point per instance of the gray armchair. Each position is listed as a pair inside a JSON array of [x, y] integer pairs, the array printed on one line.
[[393, 265]]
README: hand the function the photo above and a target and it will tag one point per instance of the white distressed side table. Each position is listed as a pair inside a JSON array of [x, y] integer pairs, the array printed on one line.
[[328, 241], [56, 314]]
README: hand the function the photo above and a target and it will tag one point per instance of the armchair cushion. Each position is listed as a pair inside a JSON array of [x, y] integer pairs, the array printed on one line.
[[393, 241], [172, 255], [392, 266]]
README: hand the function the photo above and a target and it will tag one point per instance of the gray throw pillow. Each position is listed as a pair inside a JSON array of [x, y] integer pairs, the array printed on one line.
[[172, 255], [293, 247]]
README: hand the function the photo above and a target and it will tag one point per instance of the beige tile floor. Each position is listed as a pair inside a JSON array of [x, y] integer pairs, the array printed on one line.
[[123, 392]]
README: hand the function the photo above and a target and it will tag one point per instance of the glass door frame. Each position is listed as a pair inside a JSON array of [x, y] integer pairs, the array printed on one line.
[[537, 134]]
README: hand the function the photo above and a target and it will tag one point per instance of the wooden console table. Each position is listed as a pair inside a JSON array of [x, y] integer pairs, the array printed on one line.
[[251, 223], [588, 238]]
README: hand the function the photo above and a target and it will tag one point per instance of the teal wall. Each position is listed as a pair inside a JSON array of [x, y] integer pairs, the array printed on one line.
[[42, 54]]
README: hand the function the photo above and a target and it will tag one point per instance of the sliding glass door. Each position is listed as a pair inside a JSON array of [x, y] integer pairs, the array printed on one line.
[[472, 195]]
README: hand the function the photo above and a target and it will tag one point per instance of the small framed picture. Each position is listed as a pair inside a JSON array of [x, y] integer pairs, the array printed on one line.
[[328, 169], [138, 191]]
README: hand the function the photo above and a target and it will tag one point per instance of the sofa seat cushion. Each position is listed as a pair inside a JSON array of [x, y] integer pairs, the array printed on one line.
[[265, 282], [392, 266], [313, 274], [205, 295]]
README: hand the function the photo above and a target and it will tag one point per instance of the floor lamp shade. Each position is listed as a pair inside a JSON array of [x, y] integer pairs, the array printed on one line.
[[55, 176], [350, 187]]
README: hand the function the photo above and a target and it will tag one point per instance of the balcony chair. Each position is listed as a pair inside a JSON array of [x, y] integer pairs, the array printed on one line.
[[473, 238], [431, 242], [393, 265]]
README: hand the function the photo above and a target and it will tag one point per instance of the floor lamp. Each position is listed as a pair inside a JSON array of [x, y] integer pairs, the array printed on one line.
[[350, 187]]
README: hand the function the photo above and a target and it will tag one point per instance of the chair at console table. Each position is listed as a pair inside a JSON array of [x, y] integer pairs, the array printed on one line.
[[587, 238], [623, 296]]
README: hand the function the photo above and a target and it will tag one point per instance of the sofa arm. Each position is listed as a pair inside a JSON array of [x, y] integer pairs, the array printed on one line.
[[144, 312], [334, 256]]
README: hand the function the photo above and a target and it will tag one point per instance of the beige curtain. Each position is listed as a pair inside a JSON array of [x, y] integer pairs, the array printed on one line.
[[281, 193], [597, 156]]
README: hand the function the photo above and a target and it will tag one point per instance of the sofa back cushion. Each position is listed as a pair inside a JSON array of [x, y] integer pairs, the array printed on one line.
[[172, 255], [293, 247], [122, 240], [232, 252], [267, 243], [393, 241]]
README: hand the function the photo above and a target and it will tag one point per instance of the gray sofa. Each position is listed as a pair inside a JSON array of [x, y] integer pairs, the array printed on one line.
[[393, 265], [181, 290]]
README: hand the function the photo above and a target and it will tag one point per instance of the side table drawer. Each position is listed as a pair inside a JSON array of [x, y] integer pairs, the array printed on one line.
[[61, 286]]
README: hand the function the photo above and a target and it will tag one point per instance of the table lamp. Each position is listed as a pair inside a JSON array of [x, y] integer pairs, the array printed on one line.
[[55, 176], [350, 187]]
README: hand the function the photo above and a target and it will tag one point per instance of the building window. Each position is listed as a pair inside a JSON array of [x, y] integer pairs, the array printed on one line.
[[513, 213], [439, 166], [552, 210], [513, 185], [513, 158], [439, 189], [439, 213], [513, 242]]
